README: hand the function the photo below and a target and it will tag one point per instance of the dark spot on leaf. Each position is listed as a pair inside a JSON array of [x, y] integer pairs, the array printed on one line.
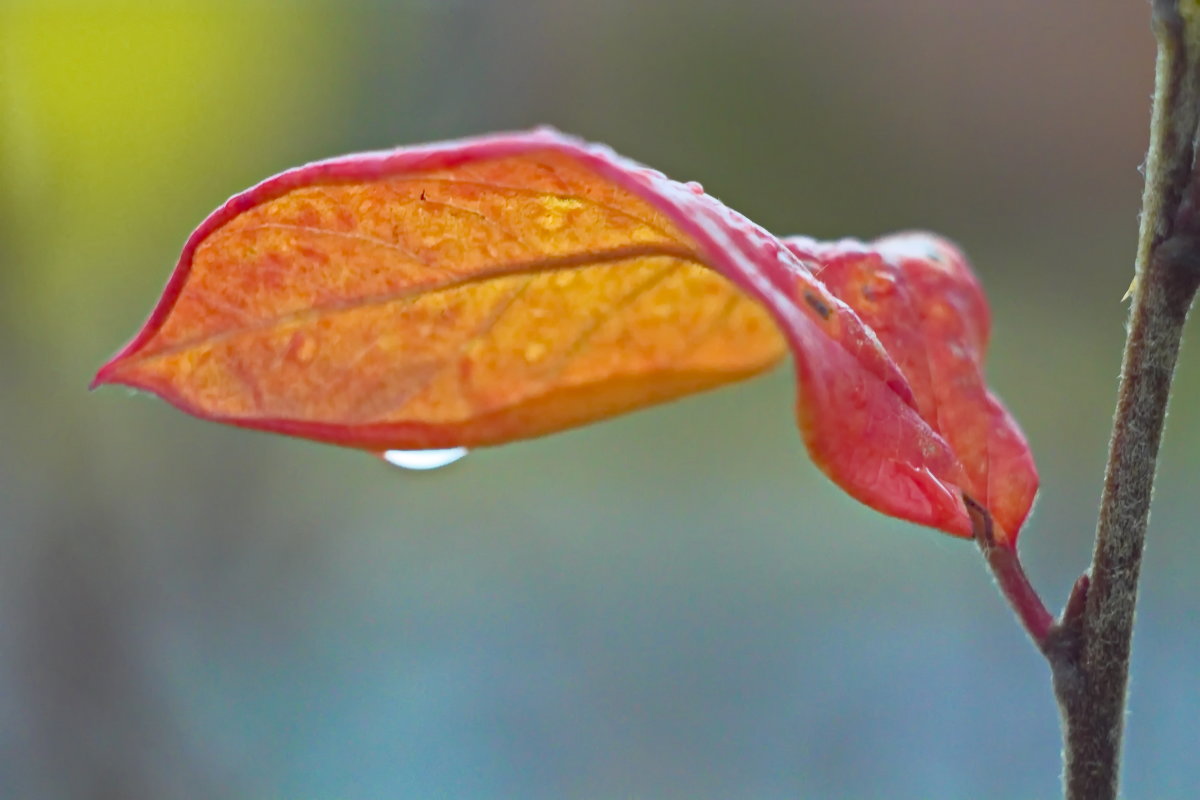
[[816, 304], [422, 194]]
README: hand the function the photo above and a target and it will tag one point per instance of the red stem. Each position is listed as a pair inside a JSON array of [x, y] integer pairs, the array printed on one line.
[[1006, 566]]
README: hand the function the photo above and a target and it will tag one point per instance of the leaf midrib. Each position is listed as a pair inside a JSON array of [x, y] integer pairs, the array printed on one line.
[[530, 267]]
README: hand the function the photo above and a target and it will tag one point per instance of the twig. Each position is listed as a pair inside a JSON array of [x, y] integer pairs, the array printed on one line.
[[1088, 648], [1010, 575], [1092, 669], [1092, 695]]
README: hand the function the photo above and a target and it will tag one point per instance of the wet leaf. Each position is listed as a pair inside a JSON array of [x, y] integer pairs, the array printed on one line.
[[467, 295], [478, 291], [917, 294]]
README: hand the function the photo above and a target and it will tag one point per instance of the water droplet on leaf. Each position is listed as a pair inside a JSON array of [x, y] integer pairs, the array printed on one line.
[[302, 348], [534, 351], [424, 459]]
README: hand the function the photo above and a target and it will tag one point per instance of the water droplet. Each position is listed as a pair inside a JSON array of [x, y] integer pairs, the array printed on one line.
[[424, 459], [555, 203], [858, 396], [551, 221], [302, 348], [534, 351], [694, 187], [878, 285], [939, 496]]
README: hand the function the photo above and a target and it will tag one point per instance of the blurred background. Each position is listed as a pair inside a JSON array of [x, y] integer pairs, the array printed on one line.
[[675, 604]]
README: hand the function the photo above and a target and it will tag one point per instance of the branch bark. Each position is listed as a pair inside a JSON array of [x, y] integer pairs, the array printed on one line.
[[1088, 647], [1090, 652]]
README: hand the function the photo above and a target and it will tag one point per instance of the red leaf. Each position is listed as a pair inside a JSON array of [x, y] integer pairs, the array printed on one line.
[[916, 292], [482, 290]]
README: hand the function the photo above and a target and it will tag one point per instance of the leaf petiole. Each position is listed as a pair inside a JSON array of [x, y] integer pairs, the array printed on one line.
[[1005, 564]]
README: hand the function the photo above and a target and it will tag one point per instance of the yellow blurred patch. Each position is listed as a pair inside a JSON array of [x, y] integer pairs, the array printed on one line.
[[103, 98], [113, 114]]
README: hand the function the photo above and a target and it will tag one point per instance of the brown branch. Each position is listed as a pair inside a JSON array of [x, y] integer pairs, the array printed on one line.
[[1088, 648], [1093, 668], [1091, 659]]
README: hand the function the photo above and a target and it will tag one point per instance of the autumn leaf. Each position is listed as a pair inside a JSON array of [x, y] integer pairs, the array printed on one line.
[[478, 291], [463, 295], [917, 294]]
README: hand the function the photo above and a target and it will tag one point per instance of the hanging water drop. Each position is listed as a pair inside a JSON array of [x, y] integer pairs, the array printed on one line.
[[424, 459]]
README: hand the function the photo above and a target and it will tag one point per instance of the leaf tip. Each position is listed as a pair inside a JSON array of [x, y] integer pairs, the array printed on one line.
[[103, 375]]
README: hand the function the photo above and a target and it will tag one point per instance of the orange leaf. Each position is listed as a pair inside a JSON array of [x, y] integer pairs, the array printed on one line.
[[414, 303], [483, 290]]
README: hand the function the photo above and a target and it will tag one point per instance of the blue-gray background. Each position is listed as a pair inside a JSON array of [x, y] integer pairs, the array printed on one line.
[[670, 605]]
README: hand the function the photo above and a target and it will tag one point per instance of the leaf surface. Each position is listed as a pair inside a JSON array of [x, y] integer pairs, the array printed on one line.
[[478, 291], [433, 299], [916, 292]]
